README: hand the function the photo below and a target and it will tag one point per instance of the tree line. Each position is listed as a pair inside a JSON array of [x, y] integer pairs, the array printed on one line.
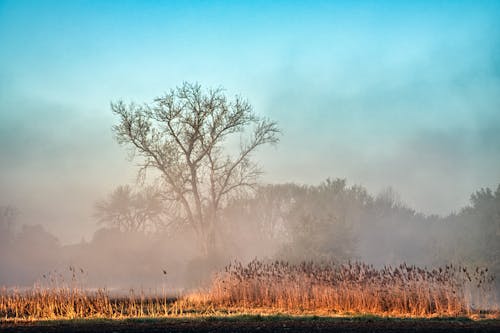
[[198, 200], [329, 221]]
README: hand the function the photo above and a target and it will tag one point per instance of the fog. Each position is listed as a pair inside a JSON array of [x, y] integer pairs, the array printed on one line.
[[329, 221], [388, 127]]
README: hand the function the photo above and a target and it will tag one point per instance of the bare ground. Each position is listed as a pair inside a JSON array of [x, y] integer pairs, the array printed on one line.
[[255, 324]]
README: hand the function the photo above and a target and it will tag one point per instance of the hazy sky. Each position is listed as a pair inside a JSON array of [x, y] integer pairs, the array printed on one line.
[[400, 94]]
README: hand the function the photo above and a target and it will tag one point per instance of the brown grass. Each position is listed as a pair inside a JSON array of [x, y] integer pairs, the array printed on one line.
[[73, 303], [352, 288], [276, 287]]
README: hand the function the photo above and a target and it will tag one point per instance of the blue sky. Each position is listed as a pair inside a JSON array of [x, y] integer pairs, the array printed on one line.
[[386, 93]]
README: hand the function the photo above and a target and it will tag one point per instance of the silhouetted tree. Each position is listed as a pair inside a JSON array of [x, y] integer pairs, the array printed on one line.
[[135, 211], [263, 211], [319, 224], [183, 135], [8, 215], [484, 213]]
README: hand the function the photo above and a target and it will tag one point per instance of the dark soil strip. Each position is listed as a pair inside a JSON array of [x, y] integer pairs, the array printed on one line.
[[252, 325]]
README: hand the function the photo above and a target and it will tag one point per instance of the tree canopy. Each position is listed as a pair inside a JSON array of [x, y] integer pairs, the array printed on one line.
[[184, 135]]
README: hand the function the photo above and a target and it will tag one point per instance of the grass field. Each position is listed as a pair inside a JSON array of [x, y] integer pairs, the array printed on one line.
[[268, 295]]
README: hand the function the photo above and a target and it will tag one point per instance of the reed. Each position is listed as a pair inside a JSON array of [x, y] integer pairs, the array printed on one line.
[[354, 287], [272, 287]]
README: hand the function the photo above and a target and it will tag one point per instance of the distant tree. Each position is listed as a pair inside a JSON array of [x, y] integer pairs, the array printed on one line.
[[264, 211], [259, 217], [184, 136], [470, 236], [135, 211], [320, 223], [8, 215], [398, 230], [35, 238], [485, 213]]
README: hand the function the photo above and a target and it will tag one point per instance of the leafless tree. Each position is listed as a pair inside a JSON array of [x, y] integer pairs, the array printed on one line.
[[136, 211], [184, 135], [8, 215]]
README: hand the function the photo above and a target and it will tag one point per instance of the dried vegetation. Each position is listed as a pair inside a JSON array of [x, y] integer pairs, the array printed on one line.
[[274, 287], [354, 287]]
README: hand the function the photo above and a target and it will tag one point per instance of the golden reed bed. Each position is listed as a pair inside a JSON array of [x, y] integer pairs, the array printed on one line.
[[278, 287]]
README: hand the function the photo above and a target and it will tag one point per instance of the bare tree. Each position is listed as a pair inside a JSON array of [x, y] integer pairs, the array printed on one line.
[[184, 136], [8, 215], [128, 210]]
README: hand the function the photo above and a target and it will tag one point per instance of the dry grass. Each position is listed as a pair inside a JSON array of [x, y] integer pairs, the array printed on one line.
[[352, 288], [73, 303], [271, 288]]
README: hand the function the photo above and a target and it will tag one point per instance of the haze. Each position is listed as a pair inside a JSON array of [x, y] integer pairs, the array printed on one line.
[[405, 95]]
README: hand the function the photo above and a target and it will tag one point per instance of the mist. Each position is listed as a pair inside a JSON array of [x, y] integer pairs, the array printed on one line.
[[388, 153], [329, 221]]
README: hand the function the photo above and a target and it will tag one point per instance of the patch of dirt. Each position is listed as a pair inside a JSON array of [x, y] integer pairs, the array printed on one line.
[[216, 325]]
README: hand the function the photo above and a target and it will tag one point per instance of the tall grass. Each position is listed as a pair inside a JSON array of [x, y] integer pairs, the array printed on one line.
[[273, 287], [352, 288], [65, 303], [58, 295]]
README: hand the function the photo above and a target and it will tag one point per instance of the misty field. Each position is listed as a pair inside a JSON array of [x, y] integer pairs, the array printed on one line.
[[277, 287]]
